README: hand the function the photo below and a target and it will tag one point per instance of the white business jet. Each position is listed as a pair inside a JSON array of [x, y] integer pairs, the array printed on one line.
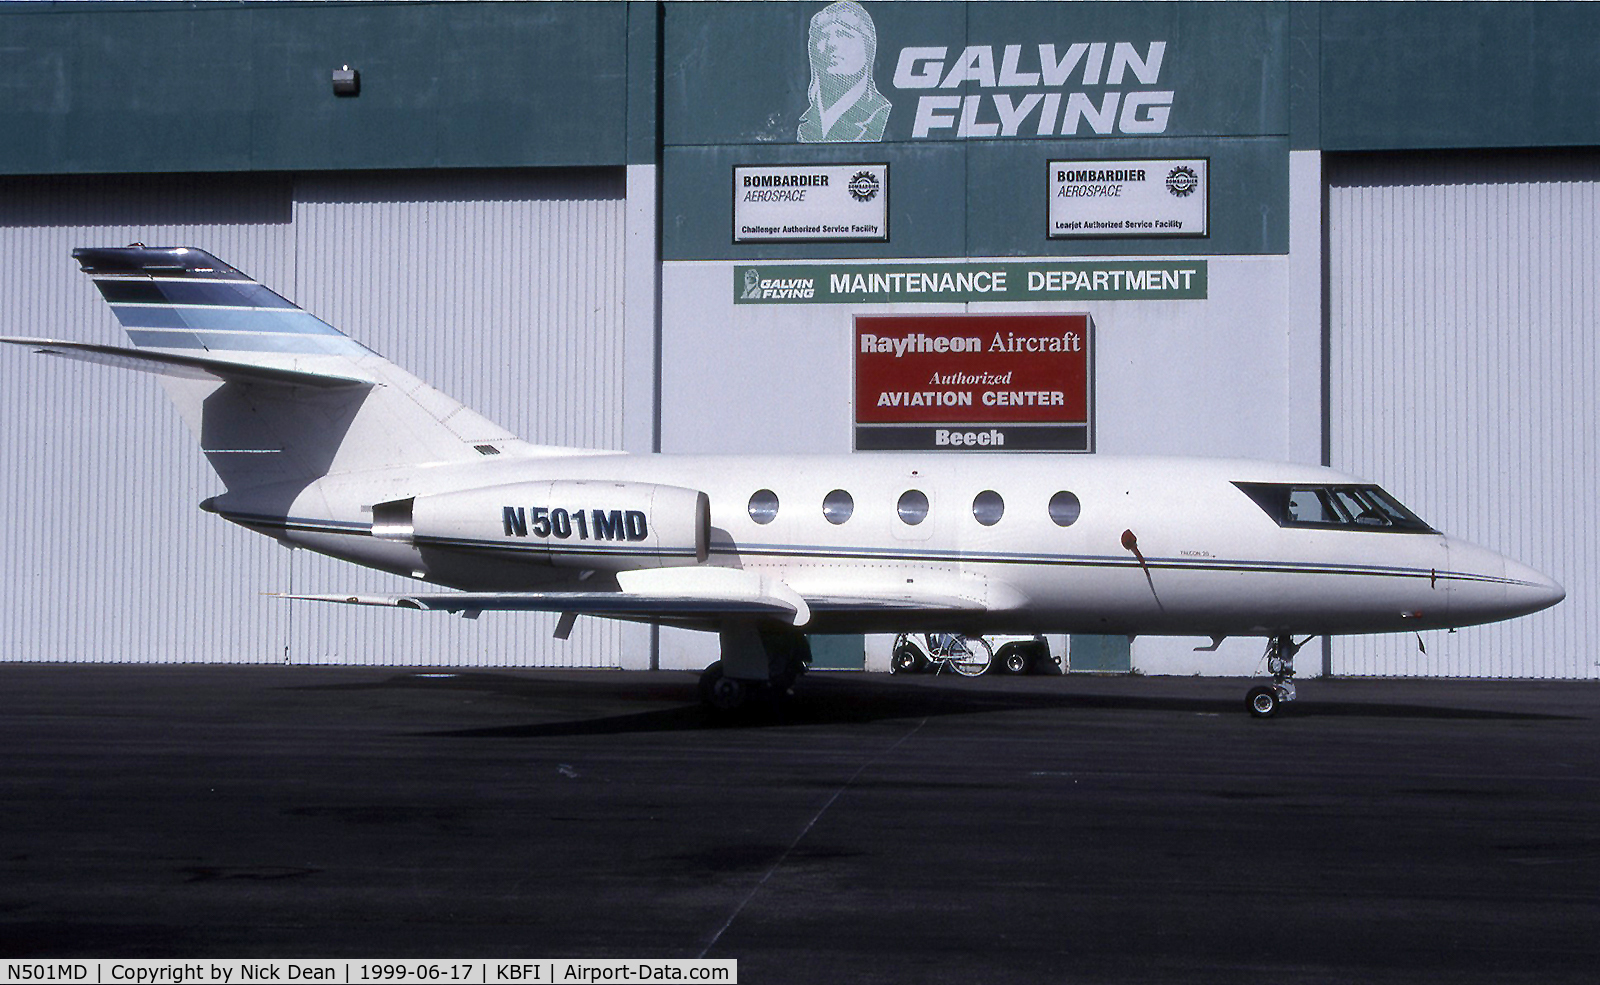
[[322, 443]]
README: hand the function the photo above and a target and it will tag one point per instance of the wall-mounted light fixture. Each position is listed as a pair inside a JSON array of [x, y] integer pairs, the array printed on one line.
[[346, 81]]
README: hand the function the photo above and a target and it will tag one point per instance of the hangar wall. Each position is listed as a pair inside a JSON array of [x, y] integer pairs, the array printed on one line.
[[1464, 371], [503, 288], [530, 205]]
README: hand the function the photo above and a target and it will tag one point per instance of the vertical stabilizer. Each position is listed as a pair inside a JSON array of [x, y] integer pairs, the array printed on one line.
[[182, 306]]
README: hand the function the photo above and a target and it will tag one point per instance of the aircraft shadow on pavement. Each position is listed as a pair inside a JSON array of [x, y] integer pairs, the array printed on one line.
[[586, 703]]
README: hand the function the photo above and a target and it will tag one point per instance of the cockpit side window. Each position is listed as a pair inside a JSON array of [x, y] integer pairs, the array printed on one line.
[[1312, 506], [1333, 507]]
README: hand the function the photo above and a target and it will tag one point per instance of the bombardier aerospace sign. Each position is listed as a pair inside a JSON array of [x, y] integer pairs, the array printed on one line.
[[973, 382], [811, 203], [1128, 198]]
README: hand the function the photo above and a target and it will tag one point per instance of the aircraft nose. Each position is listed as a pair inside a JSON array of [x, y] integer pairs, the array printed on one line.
[[1487, 587], [1528, 590]]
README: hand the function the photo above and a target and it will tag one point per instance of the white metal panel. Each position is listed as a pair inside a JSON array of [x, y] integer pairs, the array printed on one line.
[[105, 555], [1465, 377], [502, 289]]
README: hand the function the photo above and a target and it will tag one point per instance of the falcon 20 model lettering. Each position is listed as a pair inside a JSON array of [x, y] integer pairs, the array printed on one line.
[[321, 443]]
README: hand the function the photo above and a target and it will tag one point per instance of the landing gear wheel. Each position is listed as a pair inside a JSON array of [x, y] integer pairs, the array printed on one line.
[[976, 660], [722, 693], [906, 660], [1262, 701]]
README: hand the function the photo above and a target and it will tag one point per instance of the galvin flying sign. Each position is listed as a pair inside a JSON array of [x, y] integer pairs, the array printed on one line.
[[1021, 88]]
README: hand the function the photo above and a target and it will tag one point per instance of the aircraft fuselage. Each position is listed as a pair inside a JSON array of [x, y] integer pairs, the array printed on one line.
[[1132, 545]]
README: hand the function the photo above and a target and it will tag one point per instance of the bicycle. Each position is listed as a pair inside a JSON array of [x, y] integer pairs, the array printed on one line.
[[968, 656]]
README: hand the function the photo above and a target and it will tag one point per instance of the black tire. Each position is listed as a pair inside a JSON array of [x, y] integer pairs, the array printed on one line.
[[721, 693], [1262, 701], [906, 660], [1015, 659]]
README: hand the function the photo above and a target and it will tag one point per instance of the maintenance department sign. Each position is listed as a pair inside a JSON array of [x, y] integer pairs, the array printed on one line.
[[902, 283], [973, 383], [811, 203], [1128, 198]]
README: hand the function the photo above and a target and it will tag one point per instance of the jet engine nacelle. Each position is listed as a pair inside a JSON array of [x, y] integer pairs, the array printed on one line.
[[607, 526]]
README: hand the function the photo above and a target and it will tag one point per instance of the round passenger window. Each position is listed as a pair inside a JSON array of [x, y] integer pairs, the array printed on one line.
[[988, 507], [1064, 508], [837, 506], [763, 506], [913, 507]]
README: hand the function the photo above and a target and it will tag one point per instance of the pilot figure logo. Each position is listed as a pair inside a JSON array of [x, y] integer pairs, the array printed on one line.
[[845, 104]]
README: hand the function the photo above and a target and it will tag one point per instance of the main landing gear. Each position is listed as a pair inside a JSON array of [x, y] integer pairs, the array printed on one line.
[[1265, 700], [758, 668]]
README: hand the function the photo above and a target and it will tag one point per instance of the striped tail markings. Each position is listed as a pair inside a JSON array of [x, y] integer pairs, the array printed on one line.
[[185, 299]]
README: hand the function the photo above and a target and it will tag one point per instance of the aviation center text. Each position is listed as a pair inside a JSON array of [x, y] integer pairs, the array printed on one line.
[[563, 524]]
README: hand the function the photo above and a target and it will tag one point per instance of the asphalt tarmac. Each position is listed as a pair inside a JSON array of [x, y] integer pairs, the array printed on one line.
[[1042, 829]]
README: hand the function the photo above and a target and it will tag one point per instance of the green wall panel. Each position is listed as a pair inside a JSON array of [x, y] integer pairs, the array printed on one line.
[[247, 87], [1407, 76], [838, 652], [146, 87]]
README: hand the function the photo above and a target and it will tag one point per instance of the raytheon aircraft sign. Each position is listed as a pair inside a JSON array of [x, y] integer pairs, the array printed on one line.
[[1021, 87], [973, 382]]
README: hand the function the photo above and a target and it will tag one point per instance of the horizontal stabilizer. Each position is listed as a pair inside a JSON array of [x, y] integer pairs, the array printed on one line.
[[187, 367]]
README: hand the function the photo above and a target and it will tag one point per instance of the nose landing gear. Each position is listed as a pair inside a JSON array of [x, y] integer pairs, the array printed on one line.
[[1265, 700]]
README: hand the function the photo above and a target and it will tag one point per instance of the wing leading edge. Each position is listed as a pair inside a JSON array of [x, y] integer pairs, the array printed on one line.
[[673, 594]]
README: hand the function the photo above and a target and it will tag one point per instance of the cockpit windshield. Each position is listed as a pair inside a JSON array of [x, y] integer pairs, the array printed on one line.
[[1333, 507]]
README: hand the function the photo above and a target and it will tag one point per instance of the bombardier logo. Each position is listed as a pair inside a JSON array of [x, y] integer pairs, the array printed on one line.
[[864, 186], [1182, 181]]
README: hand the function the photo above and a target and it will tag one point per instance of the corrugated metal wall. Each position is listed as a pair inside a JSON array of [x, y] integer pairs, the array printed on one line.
[[503, 289], [1465, 377]]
